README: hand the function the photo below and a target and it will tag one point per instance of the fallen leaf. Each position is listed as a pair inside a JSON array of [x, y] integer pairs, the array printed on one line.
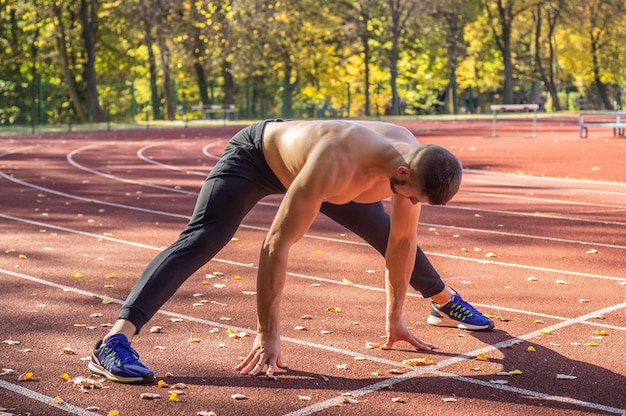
[[601, 333], [398, 400], [416, 362], [26, 376], [592, 251], [481, 357], [304, 398], [69, 351], [156, 329], [560, 282], [342, 366], [149, 396], [173, 397], [372, 345], [565, 377], [238, 396], [591, 344], [448, 399], [64, 377], [58, 400], [206, 413], [334, 309], [530, 349]]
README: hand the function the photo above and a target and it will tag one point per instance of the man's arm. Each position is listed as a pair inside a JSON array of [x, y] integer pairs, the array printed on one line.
[[399, 262], [296, 213]]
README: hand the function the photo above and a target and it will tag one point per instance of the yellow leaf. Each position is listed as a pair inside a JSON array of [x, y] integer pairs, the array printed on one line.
[[481, 357], [398, 400], [78, 275], [472, 368], [58, 400], [591, 344], [162, 383], [26, 376], [415, 362], [64, 377], [601, 333], [106, 301], [113, 413], [237, 277], [515, 372], [544, 331], [174, 397], [110, 276], [334, 309], [317, 252], [69, 351], [531, 349]]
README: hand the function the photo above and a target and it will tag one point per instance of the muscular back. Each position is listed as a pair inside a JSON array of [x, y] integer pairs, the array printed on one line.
[[358, 153]]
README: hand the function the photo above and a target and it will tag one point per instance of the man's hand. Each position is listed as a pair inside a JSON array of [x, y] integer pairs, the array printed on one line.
[[397, 331], [265, 351]]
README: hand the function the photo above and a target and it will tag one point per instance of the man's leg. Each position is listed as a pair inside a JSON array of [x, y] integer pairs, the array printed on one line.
[[372, 223], [220, 208]]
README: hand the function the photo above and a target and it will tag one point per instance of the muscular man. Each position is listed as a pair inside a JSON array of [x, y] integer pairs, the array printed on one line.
[[343, 169]]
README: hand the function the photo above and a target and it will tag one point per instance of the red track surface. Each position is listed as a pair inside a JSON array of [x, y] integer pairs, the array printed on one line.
[[77, 208]]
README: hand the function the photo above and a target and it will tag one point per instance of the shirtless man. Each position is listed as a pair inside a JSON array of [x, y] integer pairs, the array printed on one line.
[[343, 169]]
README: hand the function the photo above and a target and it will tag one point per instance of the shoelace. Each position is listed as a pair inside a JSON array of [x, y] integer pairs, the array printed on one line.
[[120, 351]]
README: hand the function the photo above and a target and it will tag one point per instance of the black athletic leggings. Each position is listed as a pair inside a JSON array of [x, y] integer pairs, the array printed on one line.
[[239, 180]]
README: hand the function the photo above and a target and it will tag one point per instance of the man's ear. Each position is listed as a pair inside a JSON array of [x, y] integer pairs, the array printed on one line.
[[403, 172]]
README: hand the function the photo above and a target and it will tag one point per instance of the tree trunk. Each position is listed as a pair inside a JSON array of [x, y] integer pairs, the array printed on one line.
[[65, 62], [164, 50], [229, 84], [88, 10], [152, 68]]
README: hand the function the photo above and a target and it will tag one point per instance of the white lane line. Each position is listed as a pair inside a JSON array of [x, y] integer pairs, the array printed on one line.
[[415, 371], [31, 394], [544, 200], [448, 256], [434, 370], [519, 235], [71, 196], [544, 178], [298, 275], [541, 200], [141, 155]]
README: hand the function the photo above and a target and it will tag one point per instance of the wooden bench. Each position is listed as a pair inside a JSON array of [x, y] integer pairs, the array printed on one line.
[[207, 111], [504, 108], [609, 120]]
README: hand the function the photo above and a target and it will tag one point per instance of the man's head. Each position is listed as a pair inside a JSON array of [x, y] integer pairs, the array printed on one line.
[[433, 171]]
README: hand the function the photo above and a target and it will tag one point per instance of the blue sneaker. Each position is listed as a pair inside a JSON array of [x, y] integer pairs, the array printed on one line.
[[458, 314], [118, 361]]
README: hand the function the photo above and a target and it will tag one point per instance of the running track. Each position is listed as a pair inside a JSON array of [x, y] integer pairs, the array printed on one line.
[[536, 238]]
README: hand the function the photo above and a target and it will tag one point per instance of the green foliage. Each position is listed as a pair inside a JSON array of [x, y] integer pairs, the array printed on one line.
[[302, 58]]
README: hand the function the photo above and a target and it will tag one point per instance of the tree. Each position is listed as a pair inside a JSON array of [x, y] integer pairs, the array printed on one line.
[[88, 12], [599, 24], [400, 13], [64, 56], [502, 14], [552, 12], [453, 15]]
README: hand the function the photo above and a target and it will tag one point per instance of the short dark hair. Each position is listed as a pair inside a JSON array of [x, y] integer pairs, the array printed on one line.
[[439, 173]]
